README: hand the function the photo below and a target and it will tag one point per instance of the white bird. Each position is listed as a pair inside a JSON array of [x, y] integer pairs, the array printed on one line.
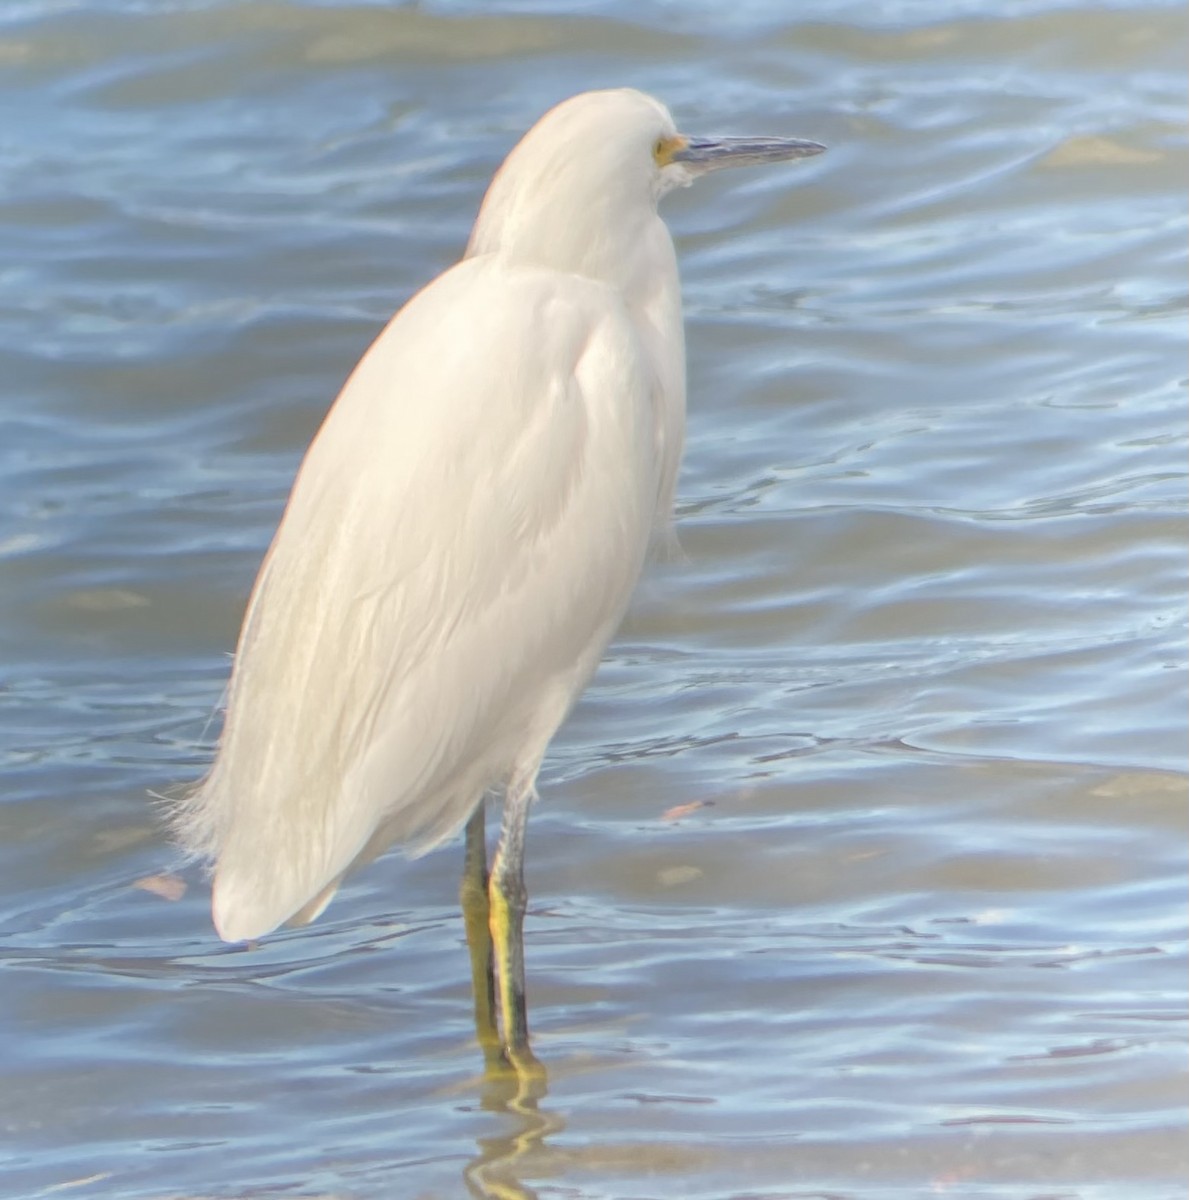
[[463, 538]]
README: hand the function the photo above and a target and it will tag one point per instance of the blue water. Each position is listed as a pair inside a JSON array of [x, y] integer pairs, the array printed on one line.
[[859, 871]]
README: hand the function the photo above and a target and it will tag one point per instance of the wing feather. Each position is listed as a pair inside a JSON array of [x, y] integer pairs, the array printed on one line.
[[459, 545]]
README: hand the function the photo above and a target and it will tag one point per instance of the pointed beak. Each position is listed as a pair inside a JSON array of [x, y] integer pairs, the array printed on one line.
[[700, 155]]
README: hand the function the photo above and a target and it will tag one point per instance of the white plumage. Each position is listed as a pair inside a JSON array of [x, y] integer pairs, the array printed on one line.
[[467, 527]]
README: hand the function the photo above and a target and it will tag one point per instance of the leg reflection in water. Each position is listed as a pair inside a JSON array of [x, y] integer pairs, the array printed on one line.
[[504, 1160]]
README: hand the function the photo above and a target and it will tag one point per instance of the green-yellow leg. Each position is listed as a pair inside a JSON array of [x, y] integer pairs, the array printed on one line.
[[476, 915], [509, 899]]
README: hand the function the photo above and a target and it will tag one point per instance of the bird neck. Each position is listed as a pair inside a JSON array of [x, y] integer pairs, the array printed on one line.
[[600, 239]]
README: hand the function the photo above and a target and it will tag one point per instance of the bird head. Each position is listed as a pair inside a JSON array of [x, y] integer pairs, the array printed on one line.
[[582, 185]]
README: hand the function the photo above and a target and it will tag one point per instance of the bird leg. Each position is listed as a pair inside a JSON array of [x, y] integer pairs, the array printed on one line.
[[476, 915], [508, 899]]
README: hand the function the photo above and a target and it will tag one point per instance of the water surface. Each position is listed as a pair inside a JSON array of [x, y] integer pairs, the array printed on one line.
[[859, 871]]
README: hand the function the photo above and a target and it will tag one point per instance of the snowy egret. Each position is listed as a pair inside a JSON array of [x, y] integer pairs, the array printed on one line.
[[462, 540]]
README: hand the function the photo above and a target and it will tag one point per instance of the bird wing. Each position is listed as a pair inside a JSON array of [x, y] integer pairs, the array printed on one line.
[[459, 545]]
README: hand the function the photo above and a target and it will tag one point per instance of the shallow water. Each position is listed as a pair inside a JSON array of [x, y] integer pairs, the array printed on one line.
[[859, 871]]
